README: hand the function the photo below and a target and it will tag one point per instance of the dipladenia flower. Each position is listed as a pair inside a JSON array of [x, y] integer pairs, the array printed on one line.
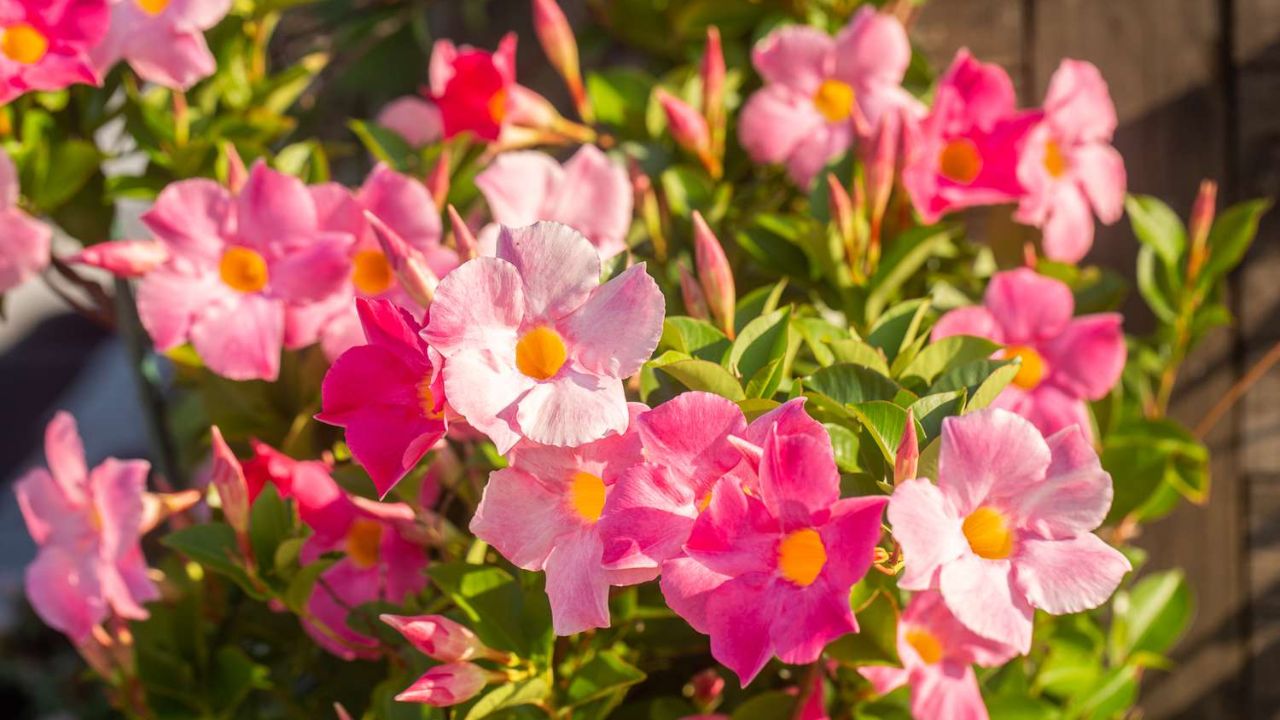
[[388, 394], [534, 345], [416, 120], [24, 241], [542, 513], [937, 654], [45, 45], [162, 40], [472, 88], [235, 264], [87, 525], [589, 193], [1065, 361], [1008, 527], [965, 152], [1068, 167], [769, 563], [821, 92]]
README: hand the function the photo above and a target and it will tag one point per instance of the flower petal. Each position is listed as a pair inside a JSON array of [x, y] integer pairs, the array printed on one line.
[[479, 306], [1068, 576], [557, 266], [1029, 306], [981, 594], [988, 450], [483, 388], [798, 57], [927, 528], [521, 517], [595, 330], [1088, 357], [576, 584], [571, 409]]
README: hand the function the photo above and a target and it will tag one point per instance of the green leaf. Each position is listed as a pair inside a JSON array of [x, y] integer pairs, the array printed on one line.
[[772, 705], [233, 676], [1150, 617], [270, 524], [886, 422], [905, 256], [699, 375], [845, 443], [766, 381], [1114, 693], [301, 585], [859, 353], [385, 145], [849, 384], [605, 676], [774, 254], [931, 410], [1157, 226], [72, 163], [214, 546], [509, 695], [491, 599], [1153, 290], [877, 642], [619, 97], [947, 353], [761, 342], [981, 379], [693, 337], [1229, 239], [1145, 455], [898, 328]]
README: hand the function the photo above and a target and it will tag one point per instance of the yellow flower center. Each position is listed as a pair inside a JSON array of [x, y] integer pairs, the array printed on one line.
[[926, 644], [541, 353], [371, 272], [427, 398], [364, 540], [801, 556], [498, 106], [1032, 371], [24, 44], [243, 269], [586, 494], [1054, 161], [153, 7], [960, 161], [988, 533], [834, 100]]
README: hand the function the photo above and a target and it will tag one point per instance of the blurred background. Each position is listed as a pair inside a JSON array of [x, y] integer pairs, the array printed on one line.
[[1197, 87]]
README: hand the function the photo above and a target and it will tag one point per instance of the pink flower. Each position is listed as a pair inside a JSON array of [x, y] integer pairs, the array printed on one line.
[[937, 654], [1065, 361], [589, 193], [534, 346], [1008, 527], [1068, 164], [473, 87], [769, 564], [44, 45], [88, 525], [162, 40], [445, 685], [542, 513], [440, 638], [235, 264], [416, 120], [965, 152], [387, 394], [821, 91], [24, 241]]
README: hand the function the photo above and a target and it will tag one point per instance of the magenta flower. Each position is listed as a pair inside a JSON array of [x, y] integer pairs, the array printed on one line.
[[45, 45], [542, 513], [1008, 527], [473, 88], [88, 525], [1065, 361], [162, 40], [534, 345], [769, 564], [416, 120], [964, 153], [589, 193], [235, 264], [24, 241], [387, 394], [937, 654], [1068, 164], [821, 92]]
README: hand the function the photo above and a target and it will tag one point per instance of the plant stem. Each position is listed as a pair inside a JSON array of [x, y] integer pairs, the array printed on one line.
[[1237, 391]]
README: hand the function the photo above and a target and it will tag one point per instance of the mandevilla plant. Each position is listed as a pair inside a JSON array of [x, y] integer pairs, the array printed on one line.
[[702, 402]]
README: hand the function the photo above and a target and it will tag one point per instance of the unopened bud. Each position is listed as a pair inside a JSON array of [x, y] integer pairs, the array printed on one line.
[[440, 638], [561, 47], [715, 274], [464, 240], [1202, 215], [236, 174], [713, 74], [438, 180], [907, 461], [689, 130], [445, 685], [123, 258], [706, 687], [695, 303], [408, 265]]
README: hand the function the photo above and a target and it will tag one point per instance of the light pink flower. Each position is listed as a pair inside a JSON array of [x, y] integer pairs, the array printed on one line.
[[589, 193], [445, 685], [88, 525], [162, 40], [45, 45], [24, 241], [1008, 527], [235, 264], [937, 654], [416, 120], [542, 513], [1068, 165], [535, 346], [1065, 361], [769, 564], [388, 394], [820, 92], [964, 153]]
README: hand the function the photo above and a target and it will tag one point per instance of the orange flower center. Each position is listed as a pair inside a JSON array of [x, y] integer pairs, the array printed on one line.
[[363, 542], [586, 494], [498, 106], [541, 353], [801, 556], [153, 7], [243, 269], [834, 99], [427, 398], [371, 272], [960, 161], [24, 44], [1054, 161], [926, 644], [988, 533], [1032, 371]]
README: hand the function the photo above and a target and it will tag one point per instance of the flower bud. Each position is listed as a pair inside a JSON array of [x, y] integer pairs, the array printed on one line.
[[228, 479], [881, 168], [123, 258], [689, 129], [445, 685], [558, 42], [713, 74], [707, 687], [410, 267], [715, 274], [437, 181], [1202, 215], [907, 461], [463, 239], [840, 206], [650, 212], [237, 173], [695, 303], [440, 638]]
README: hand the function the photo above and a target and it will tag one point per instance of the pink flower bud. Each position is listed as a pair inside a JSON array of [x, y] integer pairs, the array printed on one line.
[[123, 258], [341, 712], [228, 479], [707, 687], [689, 129], [1202, 215], [714, 273], [437, 181], [463, 239], [445, 685], [410, 267], [840, 206], [881, 167], [907, 461], [439, 637], [237, 173], [713, 74], [557, 39], [695, 303]]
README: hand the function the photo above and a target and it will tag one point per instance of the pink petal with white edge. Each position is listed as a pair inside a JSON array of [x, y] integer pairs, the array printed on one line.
[[1100, 170], [1068, 576], [63, 589], [479, 306], [521, 517], [798, 57], [1076, 495], [985, 451], [981, 594], [571, 409], [576, 584], [975, 320], [927, 528], [1029, 306], [241, 340], [557, 265], [774, 122], [1089, 356], [615, 331], [483, 388], [1078, 103]]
